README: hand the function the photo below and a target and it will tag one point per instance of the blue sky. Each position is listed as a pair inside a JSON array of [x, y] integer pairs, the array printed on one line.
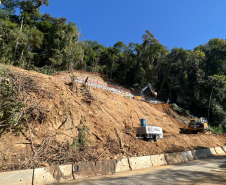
[[180, 23]]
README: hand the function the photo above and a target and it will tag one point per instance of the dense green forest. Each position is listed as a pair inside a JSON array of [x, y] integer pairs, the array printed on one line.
[[193, 79]]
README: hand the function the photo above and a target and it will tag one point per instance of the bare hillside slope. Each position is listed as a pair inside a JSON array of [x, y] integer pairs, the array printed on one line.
[[57, 114]]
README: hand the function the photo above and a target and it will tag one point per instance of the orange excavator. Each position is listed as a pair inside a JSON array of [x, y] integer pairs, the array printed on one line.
[[143, 89], [198, 126]]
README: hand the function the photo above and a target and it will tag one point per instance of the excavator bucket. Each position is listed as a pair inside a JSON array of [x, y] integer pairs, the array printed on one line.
[[155, 94]]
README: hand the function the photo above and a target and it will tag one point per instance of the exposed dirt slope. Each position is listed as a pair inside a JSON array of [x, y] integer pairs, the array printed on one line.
[[57, 115]]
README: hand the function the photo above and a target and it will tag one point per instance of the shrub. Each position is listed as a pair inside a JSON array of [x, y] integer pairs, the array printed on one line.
[[11, 108], [82, 140], [217, 129]]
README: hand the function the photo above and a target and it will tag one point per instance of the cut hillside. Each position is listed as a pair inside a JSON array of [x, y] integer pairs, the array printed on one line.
[[58, 116]]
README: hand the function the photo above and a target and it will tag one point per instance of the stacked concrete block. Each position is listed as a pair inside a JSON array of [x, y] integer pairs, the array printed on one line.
[[213, 151], [38, 176], [55, 174], [47, 175], [219, 150], [89, 169], [140, 162], [122, 165], [224, 148], [22, 177], [202, 153], [82, 170], [174, 158], [187, 156], [66, 171], [105, 167], [207, 152], [158, 160]]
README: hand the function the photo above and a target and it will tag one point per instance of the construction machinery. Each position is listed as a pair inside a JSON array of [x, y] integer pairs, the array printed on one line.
[[198, 126], [148, 132], [143, 89]]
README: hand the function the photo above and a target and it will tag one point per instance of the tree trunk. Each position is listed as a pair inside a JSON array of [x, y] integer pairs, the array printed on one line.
[[209, 103], [21, 57], [21, 27]]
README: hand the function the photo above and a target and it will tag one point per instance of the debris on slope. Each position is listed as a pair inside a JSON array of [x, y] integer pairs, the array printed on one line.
[[86, 124]]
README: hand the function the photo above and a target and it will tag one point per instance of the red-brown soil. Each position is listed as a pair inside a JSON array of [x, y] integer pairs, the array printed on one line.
[[58, 111]]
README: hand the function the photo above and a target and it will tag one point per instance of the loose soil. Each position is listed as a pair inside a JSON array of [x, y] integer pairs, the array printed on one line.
[[51, 134]]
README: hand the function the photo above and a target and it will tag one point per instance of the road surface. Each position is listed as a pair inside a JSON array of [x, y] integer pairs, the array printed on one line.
[[199, 172]]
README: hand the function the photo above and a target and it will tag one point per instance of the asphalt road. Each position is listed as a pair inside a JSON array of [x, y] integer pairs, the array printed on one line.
[[206, 171]]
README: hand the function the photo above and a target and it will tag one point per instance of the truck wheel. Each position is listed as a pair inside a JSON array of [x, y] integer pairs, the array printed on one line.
[[147, 139], [157, 137]]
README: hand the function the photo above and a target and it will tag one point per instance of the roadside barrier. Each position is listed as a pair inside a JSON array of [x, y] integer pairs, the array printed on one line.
[[140, 162], [224, 148], [62, 173], [187, 156], [174, 158], [38, 176], [213, 151], [202, 153], [219, 150], [158, 160], [122, 165]]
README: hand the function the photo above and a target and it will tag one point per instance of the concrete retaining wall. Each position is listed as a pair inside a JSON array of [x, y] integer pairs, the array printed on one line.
[[158, 160], [45, 175], [105, 167], [224, 148], [140, 162], [213, 151], [174, 158], [66, 171], [122, 165], [83, 170], [202, 153], [38, 176], [56, 174], [219, 150], [23, 177], [89, 169], [187, 156]]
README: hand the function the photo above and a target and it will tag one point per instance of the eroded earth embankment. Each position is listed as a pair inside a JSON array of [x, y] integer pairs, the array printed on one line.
[[59, 112]]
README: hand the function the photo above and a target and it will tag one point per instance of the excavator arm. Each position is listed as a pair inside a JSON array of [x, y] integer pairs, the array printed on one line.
[[151, 89]]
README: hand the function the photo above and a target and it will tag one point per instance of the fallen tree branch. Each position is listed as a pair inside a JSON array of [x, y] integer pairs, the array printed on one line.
[[117, 134], [44, 141], [131, 117], [104, 152], [32, 145], [97, 136], [63, 122]]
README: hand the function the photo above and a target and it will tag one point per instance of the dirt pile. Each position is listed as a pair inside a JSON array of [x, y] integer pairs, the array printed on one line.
[[60, 115]]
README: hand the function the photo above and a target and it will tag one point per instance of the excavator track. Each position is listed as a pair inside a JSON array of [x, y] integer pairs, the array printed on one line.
[[207, 132]]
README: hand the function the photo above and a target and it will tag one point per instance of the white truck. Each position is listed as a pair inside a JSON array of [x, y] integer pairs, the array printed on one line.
[[149, 132]]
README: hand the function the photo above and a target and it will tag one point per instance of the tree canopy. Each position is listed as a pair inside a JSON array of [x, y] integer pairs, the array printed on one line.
[[194, 79]]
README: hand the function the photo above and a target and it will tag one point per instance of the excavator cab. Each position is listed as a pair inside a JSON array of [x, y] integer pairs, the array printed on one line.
[[143, 89]]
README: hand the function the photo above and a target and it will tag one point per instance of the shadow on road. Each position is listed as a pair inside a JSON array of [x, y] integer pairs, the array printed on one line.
[[207, 171]]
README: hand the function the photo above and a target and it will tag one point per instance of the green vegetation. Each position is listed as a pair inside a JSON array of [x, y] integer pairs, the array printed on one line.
[[193, 79], [217, 129], [82, 140], [11, 107], [175, 107]]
